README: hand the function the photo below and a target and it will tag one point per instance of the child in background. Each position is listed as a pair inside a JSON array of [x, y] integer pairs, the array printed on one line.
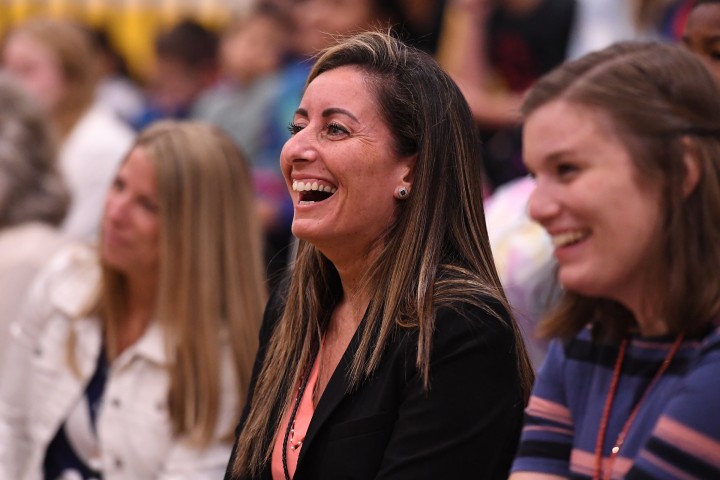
[[252, 52], [186, 64]]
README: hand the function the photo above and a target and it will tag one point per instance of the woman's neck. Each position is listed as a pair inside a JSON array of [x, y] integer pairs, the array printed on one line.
[[140, 310]]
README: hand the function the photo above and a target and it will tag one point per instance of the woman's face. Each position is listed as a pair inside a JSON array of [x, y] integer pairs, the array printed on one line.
[[130, 227], [341, 166], [36, 68], [702, 35], [604, 222]]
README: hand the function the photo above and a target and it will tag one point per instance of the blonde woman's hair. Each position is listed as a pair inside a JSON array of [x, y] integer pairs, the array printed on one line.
[[72, 48], [211, 286], [436, 252]]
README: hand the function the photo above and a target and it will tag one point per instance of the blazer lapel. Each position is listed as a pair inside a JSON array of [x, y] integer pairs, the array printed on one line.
[[335, 392]]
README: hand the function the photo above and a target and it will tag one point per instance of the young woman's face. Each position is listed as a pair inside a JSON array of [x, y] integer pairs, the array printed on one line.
[[604, 220], [341, 166], [36, 68], [130, 230], [702, 35]]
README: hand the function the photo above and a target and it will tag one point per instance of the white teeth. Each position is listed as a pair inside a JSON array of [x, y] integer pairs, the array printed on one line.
[[568, 238], [307, 186]]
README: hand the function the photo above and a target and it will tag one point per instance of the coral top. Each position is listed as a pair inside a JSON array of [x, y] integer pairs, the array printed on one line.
[[297, 433]]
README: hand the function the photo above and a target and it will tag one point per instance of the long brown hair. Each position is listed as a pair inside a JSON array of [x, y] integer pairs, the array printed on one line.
[[211, 288], [435, 253], [663, 104]]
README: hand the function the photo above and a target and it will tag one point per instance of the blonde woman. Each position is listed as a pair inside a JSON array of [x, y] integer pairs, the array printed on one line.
[[55, 62], [132, 361]]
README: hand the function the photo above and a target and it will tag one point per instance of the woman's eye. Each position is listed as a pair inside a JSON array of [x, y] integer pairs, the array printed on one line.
[[565, 169], [336, 129], [149, 205], [294, 128]]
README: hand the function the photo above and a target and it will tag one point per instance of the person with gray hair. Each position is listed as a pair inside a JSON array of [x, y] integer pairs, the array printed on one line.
[[33, 197]]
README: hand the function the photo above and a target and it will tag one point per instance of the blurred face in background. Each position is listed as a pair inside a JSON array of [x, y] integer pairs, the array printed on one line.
[[702, 35], [35, 67], [317, 20], [254, 49], [130, 230]]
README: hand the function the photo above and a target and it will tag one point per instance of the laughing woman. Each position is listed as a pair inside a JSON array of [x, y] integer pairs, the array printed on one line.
[[629, 388], [131, 362], [390, 352]]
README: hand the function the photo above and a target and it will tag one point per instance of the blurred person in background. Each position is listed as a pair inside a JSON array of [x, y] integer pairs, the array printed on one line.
[[496, 49], [632, 202], [33, 198], [253, 51], [54, 61], [117, 89], [389, 352], [522, 252], [702, 33], [132, 360], [186, 64], [600, 23]]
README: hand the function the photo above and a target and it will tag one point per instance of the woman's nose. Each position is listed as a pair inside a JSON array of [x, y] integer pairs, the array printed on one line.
[[116, 208], [542, 204], [301, 147]]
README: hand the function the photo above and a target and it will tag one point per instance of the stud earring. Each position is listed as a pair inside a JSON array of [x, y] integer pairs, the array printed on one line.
[[402, 192]]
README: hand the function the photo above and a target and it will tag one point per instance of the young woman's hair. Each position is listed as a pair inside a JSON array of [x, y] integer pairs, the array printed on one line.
[[663, 104], [71, 47], [435, 252], [211, 287], [31, 188]]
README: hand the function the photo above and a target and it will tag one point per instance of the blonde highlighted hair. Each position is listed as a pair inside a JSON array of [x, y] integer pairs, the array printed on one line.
[[435, 253], [211, 287]]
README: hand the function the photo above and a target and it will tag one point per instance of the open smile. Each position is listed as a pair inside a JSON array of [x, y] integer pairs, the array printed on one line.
[[568, 238], [313, 191]]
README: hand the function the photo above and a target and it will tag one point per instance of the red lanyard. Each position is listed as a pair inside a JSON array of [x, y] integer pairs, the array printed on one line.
[[609, 401]]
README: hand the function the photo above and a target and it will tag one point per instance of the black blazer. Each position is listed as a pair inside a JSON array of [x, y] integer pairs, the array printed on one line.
[[466, 426]]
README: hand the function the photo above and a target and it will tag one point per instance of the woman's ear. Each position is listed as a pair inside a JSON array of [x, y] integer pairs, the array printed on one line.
[[409, 169], [693, 169], [407, 173]]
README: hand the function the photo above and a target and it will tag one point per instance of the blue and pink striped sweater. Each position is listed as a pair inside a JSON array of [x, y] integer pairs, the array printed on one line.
[[676, 434]]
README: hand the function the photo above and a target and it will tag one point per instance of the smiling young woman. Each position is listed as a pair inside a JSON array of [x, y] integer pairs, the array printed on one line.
[[625, 148]]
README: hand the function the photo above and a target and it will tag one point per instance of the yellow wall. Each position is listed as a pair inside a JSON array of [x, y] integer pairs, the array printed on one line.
[[131, 24]]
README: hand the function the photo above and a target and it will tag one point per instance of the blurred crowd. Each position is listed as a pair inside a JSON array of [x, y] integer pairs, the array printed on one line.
[[247, 78], [71, 109]]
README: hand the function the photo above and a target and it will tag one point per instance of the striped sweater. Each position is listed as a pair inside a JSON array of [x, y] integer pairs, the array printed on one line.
[[675, 435]]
